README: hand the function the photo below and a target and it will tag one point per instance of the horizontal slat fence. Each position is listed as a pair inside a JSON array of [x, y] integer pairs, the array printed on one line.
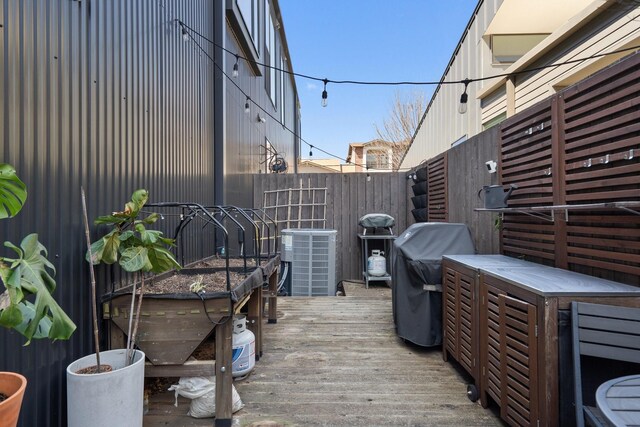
[[582, 146], [349, 197], [602, 163], [526, 161]]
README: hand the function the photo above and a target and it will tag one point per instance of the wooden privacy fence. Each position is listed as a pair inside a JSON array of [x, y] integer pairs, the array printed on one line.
[[576, 160], [348, 197]]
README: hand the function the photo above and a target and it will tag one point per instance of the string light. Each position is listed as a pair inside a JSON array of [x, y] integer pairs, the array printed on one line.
[[185, 34], [324, 94], [416, 83], [356, 82], [462, 108], [247, 109], [310, 152], [235, 67]]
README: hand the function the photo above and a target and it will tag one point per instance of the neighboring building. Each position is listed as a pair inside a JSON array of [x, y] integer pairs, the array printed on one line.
[[373, 156], [324, 166], [511, 36], [110, 96]]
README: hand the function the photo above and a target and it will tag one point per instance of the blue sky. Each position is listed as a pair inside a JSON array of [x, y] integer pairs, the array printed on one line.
[[377, 40]]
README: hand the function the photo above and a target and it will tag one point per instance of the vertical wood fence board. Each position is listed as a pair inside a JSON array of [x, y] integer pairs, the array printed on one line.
[[349, 196]]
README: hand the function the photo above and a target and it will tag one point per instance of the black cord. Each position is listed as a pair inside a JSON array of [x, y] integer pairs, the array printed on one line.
[[205, 311]]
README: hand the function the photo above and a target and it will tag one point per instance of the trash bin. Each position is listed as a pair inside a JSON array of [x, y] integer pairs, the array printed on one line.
[[417, 278]]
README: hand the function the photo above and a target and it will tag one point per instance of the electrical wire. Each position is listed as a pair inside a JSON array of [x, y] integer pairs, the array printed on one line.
[[190, 30], [232, 81], [398, 83]]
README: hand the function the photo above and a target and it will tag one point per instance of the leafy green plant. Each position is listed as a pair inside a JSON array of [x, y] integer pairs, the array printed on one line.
[[135, 248], [26, 303]]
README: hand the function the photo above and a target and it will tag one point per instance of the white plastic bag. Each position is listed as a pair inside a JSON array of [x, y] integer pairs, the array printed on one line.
[[202, 392]]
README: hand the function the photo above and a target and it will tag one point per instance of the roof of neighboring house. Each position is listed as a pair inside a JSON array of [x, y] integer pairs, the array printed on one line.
[[329, 165]]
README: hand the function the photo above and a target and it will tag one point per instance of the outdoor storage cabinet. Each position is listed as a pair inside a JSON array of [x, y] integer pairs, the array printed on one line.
[[507, 322], [461, 278], [520, 311]]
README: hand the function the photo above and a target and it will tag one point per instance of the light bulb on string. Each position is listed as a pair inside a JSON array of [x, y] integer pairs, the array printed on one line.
[[185, 34], [235, 68], [247, 108], [324, 93], [462, 108], [310, 151]]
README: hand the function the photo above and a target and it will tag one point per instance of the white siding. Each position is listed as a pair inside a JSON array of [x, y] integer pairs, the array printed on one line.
[[442, 124]]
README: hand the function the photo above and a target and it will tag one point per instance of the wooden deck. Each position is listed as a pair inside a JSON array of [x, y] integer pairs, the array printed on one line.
[[336, 361]]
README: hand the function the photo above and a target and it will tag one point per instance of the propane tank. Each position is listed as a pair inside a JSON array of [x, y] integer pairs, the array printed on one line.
[[243, 347], [376, 264]]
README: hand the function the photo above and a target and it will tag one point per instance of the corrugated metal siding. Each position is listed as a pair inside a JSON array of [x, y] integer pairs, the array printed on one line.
[[442, 124], [244, 133], [107, 95]]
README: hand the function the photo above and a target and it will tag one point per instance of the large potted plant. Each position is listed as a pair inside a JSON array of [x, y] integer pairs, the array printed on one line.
[[26, 302], [108, 388]]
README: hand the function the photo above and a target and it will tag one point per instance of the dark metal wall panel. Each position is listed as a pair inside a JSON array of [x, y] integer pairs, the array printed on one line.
[[245, 134], [107, 95]]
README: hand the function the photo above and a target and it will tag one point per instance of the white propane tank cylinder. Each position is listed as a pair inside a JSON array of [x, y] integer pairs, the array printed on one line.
[[376, 264], [244, 347]]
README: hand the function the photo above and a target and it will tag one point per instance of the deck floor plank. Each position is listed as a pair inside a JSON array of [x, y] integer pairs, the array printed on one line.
[[336, 361]]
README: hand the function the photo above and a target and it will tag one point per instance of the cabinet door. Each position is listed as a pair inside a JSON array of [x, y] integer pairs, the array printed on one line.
[[466, 353], [458, 318], [450, 314], [519, 361], [510, 355]]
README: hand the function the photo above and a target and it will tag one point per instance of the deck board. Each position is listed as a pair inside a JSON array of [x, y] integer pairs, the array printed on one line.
[[336, 361]]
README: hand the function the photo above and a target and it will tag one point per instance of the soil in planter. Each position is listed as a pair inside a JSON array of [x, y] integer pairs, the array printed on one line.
[[3, 397], [94, 369], [180, 283]]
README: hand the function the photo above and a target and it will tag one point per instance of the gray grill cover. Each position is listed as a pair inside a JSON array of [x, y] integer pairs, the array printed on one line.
[[417, 278], [377, 220]]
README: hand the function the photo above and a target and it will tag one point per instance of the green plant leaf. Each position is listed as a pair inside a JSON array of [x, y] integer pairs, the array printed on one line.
[[150, 237], [11, 316], [109, 219], [152, 218], [29, 275], [139, 199], [134, 259], [111, 247], [127, 235], [162, 260], [13, 192], [27, 313]]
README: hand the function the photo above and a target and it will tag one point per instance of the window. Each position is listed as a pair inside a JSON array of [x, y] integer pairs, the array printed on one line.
[[508, 48], [494, 121], [377, 159], [270, 55], [250, 11]]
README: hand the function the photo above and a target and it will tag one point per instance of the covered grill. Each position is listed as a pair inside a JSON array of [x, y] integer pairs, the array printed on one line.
[[417, 278]]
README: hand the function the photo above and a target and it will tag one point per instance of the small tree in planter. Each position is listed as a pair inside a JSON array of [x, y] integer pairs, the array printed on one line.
[[26, 302], [137, 250]]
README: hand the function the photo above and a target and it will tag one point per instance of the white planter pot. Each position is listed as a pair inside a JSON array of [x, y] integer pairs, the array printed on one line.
[[108, 399]]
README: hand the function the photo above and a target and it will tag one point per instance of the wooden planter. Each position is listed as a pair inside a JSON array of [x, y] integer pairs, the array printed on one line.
[[172, 326]]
